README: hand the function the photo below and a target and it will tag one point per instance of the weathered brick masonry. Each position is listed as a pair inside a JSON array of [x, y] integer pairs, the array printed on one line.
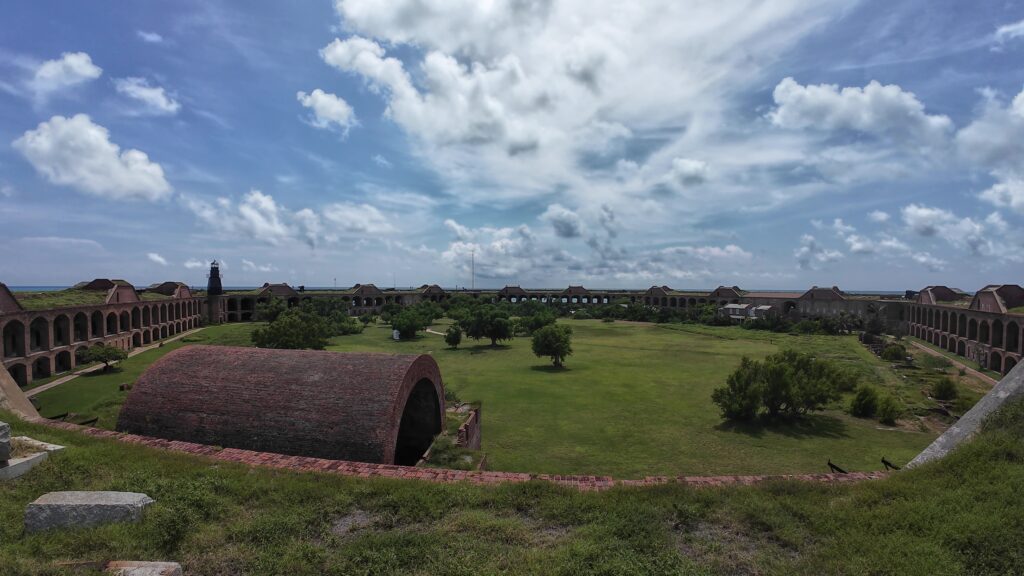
[[360, 407]]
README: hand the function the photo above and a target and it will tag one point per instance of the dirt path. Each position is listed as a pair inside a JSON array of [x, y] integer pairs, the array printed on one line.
[[73, 375], [981, 376]]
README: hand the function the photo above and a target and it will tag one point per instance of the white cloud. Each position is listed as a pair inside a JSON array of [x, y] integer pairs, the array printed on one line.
[[154, 99], [328, 110], [1008, 194], [70, 70], [1009, 32], [688, 172], [260, 217], [711, 253], [878, 216], [931, 262], [250, 266], [194, 263], [875, 109], [995, 139], [7, 191], [810, 254], [508, 100], [154, 257], [357, 218], [150, 37], [78, 153], [461, 232], [381, 161], [566, 223], [978, 238], [838, 226]]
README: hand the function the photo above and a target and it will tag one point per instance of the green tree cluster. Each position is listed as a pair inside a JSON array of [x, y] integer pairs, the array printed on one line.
[[787, 384], [554, 341], [294, 329], [107, 355]]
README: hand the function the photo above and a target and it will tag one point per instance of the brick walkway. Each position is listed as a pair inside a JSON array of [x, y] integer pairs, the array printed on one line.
[[366, 470]]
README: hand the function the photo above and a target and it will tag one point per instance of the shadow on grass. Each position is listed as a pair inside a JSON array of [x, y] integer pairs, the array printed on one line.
[[482, 348], [551, 369], [101, 372], [812, 426]]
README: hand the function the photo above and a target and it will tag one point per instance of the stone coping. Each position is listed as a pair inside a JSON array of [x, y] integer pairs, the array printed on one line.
[[440, 475]]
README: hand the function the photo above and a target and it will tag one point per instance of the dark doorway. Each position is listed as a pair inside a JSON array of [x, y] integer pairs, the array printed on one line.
[[421, 421]]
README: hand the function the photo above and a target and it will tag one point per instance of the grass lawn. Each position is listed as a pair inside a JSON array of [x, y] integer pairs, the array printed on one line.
[[634, 400], [96, 393], [961, 515]]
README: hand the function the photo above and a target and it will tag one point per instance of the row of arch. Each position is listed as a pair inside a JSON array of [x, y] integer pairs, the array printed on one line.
[[45, 332], [683, 302], [58, 361], [995, 343]]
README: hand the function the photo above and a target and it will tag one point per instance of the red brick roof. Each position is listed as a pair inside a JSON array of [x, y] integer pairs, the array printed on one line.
[[299, 402]]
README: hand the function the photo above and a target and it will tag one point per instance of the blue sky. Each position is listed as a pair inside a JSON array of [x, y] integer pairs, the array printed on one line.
[[767, 145]]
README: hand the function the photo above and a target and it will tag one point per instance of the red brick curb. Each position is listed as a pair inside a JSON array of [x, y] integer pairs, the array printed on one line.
[[366, 470]]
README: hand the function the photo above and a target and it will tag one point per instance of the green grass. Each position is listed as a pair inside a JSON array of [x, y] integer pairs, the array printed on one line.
[[962, 515], [60, 298], [96, 393], [635, 400]]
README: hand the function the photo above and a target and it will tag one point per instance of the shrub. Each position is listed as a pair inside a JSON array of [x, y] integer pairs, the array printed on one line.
[[944, 389], [894, 353], [269, 311], [581, 315], [865, 402], [453, 336], [935, 362], [608, 319], [554, 341], [105, 354], [784, 384], [889, 410], [740, 398]]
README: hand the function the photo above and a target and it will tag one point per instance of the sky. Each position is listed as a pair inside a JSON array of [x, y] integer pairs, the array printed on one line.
[[690, 143]]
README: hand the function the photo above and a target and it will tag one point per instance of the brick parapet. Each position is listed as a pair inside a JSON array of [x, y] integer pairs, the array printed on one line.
[[440, 475]]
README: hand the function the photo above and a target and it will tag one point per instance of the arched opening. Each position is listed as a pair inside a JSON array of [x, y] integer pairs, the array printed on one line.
[[19, 374], [39, 335], [136, 318], [126, 322], [1010, 363], [14, 339], [163, 313], [137, 339], [63, 361], [983, 337], [97, 324], [942, 342], [952, 344], [163, 332], [995, 362], [1013, 337], [61, 331], [961, 348], [788, 307], [41, 368], [146, 318], [146, 339], [111, 323], [80, 355], [972, 330], [997, 334], [81, 327], [420, 423]]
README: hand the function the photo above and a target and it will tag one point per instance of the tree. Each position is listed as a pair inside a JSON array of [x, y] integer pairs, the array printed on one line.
[[487, 321], [269, 311], [294, 329], [105, 354], [889, 410], [453, 336], [740, 398], [339, 323], [367, 319], [945, 389], [785, 384], [555, 341], [408, 322], [874, 325]]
